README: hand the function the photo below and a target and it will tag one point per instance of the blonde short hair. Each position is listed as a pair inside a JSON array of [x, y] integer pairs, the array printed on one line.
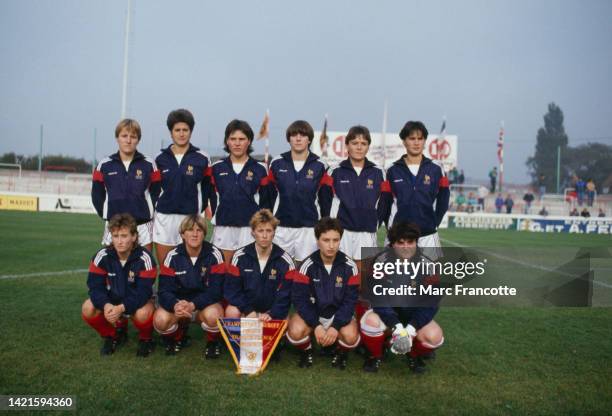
[[263, 216], [192, 220], [131, 125]]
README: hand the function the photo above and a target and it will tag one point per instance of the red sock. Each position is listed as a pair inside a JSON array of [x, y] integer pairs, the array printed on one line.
[[419, 349], [101, 325], [121, 323], [305, 345], [212, 336], [374, 344], [178, 334], [145, 329]]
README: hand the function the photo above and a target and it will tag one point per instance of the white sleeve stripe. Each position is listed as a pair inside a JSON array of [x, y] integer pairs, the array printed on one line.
[[236, 256], [289, 260], [169, 257], [305, 266], [99, 256], [147, 261], [218, 255]]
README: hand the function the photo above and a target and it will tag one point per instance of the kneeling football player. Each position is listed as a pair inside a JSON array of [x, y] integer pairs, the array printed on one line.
[[324, 293], [191, 288], [259, 278], [413, 330], [120, 282]]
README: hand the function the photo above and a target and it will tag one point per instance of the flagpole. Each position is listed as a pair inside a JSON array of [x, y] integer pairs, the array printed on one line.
[[126, 45], [501, 157], [267, 143], [384, 138]]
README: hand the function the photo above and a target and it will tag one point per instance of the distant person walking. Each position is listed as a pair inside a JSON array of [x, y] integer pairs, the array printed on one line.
[[493, 178]]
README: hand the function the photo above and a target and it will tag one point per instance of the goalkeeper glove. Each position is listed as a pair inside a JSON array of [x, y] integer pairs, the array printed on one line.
[[401, 340]]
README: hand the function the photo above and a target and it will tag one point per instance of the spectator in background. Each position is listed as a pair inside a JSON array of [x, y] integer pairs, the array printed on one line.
[[601, 213], [590, 190], [499, 203], [509, 202], [461, 178], [580, 190], [471, 202], [574, 212], [543, 212], [528, 199], [460, 201], [541, 185], [482, 194], [493, 178], [453, 175], [585, 213]]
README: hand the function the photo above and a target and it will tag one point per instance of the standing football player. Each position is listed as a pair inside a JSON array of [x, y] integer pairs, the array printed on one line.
[[191, 288], [126, 182], [120, 282], [358, 185], [419, 189], [302, 181], [324, 294], [243, 188], [412, 328], [185, 181]]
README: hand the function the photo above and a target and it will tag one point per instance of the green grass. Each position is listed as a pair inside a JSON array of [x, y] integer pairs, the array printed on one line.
[[495, 361]]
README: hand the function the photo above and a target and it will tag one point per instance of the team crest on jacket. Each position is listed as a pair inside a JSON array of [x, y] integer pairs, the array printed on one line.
[[426, 180], [338, 281], [138, 174], [310, 174], [203, 272], [370, 184], [249, 176], [189, 170], [131, 277], [272, 274]]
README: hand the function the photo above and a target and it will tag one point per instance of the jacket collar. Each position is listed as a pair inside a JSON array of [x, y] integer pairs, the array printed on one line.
[[346, 163], [190, 149], [316, 257], [401, 161], [206, 248], [134, 254], [251, 251], [137, 156], [311, 156]]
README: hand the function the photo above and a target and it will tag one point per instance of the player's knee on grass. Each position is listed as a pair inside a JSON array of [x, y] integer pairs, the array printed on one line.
[[163, 320], [232, 312], [88, 309], [431, 334], [297, 328], [144, 314], [210, 314], [349, 334]]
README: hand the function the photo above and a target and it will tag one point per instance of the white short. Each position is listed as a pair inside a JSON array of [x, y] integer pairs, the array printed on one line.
[[145, 232], [431, 245], [352, 241], [298, 242], [166, 228], [231, 238]]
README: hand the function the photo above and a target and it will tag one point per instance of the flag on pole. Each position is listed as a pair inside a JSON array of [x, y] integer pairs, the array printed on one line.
[[443, 127], [264, 133], [324, 139], [264, 130]]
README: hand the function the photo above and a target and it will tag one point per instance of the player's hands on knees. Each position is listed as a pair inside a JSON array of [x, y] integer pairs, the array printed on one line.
[[320, 334], [264, 317], [331, 335]]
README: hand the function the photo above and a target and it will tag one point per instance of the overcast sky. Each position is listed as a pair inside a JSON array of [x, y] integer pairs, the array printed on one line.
[[477, 62]]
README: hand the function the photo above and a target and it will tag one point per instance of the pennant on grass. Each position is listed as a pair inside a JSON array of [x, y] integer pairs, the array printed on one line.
[[251, 342]]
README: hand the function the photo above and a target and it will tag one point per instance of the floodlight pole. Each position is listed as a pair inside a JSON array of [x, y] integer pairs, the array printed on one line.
[[126, 45], [558, 167], [40, 149]]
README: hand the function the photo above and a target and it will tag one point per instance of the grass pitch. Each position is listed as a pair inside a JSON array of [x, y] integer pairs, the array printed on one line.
[[495, 361]]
